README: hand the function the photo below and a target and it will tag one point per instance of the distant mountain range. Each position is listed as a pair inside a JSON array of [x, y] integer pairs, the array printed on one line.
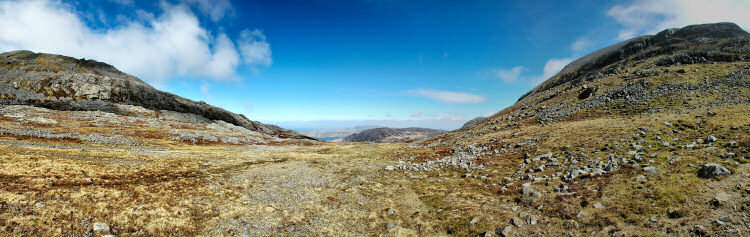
[[385, 135], [335, 133]]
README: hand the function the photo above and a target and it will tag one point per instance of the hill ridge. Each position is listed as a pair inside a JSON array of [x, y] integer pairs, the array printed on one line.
[[66, 83]]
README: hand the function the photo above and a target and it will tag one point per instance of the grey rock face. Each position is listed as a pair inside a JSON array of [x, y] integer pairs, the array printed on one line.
[[65, 83], [711, 170]]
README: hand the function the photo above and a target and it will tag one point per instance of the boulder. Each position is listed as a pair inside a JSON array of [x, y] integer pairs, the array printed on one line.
[[711, 170]]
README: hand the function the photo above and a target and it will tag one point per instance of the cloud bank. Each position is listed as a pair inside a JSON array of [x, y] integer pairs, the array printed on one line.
[[551, 67], [509, 75], [449, 96], [154, 47], [648, 17]]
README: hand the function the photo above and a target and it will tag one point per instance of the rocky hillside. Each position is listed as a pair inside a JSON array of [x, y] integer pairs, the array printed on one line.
[[647, 137], [647, 74], [65, 83], [385, 135]]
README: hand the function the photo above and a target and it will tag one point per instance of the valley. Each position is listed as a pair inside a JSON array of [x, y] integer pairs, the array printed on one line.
[[648, 137]]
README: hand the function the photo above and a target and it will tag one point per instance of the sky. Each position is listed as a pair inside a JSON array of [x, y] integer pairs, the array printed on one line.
[[336, 64]]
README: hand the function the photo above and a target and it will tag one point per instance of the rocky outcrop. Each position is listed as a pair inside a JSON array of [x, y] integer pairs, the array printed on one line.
[[706, 43], [65, 83], [384, 135]]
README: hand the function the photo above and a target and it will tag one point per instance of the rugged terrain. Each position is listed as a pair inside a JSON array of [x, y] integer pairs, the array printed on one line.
[[649, 137], [65, 83], [386, 135]]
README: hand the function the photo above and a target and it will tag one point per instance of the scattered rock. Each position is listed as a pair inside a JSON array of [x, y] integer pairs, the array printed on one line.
[[721, 198], [101, 227], [40, 205], [598, 205], [475, 220], [527, 191], [711, 170], [546, 156], [711, 139], [516, 222], [389, 226], [651, 169], [390, 211], [531, 220], [700, 230], [506, 231], [637, 147]]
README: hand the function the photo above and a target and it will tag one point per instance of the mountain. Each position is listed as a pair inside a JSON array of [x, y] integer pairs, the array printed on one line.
[[65, 83], [647, 74], [650, 136], [388, 135]]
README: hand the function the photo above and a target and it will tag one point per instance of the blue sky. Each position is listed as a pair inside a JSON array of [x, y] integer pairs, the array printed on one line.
[[332, 64]]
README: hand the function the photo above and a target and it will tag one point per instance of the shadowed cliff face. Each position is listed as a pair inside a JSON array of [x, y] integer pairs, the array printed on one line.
[[65, 83]]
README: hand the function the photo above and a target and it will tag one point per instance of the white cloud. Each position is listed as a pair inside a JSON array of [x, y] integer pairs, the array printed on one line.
[[451, 116], [155, 48], [204, 88], [449, 96], [552, 67], [216, 9], [580, 45], [254, 48], [123, 2], [509, 75], [416, 115], [249, 107], [648, 16]]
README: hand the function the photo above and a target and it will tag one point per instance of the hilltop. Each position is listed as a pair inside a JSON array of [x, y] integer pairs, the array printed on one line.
[[646, 137], [65, 83]]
